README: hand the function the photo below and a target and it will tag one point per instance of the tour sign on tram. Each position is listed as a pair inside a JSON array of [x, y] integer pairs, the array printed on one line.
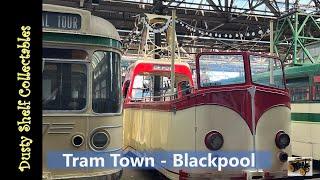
[[64, 21]]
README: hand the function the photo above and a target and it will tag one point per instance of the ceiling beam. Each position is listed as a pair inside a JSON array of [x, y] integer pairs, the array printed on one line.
[[272, 7], [317, 3], [214, 6]]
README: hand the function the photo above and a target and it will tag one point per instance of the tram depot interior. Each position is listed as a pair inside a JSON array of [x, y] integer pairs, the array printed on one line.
[[182, 75]]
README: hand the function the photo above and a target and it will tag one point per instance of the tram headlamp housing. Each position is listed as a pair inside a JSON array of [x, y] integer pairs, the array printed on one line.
[[99, 140], [214, 140], [283, 156], [77, 140], [282, 140]]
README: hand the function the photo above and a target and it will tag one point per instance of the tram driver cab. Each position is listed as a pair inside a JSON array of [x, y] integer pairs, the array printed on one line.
[[139, 82]]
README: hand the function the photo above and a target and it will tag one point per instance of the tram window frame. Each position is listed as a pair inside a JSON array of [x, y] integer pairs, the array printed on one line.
[[76, 61], [118, 91], [242, 75], [281, 86]]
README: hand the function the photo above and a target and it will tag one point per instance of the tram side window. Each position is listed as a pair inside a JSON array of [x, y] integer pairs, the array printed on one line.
[[184, 88], [217, 70], [261, 72], [165, 88], [299, 89], [194, 78], [64, 86], [143, 88], [106, 82]]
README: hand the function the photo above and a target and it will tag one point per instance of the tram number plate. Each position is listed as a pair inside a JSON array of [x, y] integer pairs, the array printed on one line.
[[63, 21]]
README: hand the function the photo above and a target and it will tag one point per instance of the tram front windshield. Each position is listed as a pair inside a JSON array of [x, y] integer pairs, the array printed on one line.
[[64, 82], [217, 70], [106, 82], [266, 71]]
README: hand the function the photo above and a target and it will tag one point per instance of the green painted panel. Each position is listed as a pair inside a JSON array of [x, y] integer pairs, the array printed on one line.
[[311, 117], [302, 71], [82, 39]]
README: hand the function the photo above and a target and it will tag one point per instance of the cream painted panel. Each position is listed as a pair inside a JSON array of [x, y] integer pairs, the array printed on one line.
[[127, 126], [145, 130], [315, 133], [306, 108], [150, 129], [272, 121], [155, 126], [62, 142], [165, 122], [235, 131], [53, 140], [136, 118], [160, 126], [316, 151], [301, 131], [129, 130], [83, 126], [181, 135], [133, 121], [141, 140], [314, 107], [301, 149]]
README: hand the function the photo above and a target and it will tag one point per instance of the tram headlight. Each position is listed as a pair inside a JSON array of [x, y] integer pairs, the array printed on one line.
[[282, 140], [214, 140], [100, 139]]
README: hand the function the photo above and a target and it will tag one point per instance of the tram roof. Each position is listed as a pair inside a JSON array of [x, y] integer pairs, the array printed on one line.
[[159, 66], [90, 24]]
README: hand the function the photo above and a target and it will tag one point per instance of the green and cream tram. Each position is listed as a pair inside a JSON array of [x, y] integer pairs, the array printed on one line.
[[303, 83], [82, 107]]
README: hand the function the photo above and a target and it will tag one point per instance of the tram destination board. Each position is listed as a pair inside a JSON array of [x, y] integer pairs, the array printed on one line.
[[65, 21]]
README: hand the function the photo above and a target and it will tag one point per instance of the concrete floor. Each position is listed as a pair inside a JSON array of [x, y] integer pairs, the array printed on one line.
[[134, 174]]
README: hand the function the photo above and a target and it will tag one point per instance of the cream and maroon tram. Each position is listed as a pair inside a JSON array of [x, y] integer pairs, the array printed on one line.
[[82, 108], [240, 104]]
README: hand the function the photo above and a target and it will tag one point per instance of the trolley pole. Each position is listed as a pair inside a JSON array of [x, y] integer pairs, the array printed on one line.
[[271, 62], [157, 9], [173, 50], [271, 37]]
